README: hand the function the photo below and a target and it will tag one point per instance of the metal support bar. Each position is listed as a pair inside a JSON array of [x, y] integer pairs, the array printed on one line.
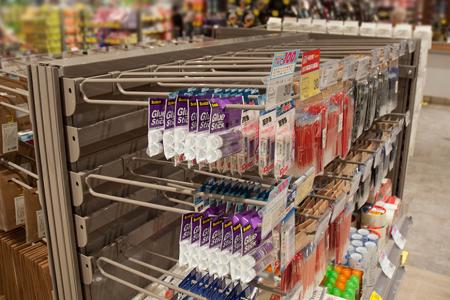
[[22, 184], [155, 268], [19, 168], [15, 107], [14, 90], [143, 275], [132, 201]]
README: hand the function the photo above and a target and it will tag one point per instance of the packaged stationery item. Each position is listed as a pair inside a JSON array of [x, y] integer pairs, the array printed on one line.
[[156, 116], [267, 134], [284, 140], [169, 125], [181, 123], [225, 137]]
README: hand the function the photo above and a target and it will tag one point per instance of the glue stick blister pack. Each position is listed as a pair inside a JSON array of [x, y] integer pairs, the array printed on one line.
[[225, 239], [204, 116], [169, 124], [156, 116], [181, 122], [225, 137]]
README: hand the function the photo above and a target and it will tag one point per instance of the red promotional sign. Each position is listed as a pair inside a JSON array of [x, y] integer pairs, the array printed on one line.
[[310, 61]]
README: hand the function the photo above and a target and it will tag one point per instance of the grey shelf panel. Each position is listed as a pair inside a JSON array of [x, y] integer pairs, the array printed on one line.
[[385, 287]]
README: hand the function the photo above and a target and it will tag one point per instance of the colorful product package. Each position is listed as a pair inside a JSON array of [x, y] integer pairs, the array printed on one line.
[[156, 116]]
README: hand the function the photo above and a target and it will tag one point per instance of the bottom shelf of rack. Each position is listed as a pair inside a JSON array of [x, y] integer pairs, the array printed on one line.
[[384, 286]]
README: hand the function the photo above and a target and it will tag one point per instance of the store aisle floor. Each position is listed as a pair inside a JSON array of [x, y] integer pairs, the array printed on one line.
[[428, 191]]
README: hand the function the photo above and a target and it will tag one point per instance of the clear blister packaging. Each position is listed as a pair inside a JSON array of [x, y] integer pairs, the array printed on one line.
[[267, 133], [225, 138], [169, 123], [307, 133], [181, 128], [156, 117], [284, 140]]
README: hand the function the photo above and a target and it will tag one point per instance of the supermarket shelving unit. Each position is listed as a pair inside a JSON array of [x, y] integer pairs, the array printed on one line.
[[81, 144]]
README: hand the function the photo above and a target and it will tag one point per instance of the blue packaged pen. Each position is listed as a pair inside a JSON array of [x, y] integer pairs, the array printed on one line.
[[196, 287], [248, 293], [235, 292], [221, 294], [187, 281]]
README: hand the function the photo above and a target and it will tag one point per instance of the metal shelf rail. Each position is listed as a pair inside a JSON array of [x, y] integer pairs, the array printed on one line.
[[90, 115]]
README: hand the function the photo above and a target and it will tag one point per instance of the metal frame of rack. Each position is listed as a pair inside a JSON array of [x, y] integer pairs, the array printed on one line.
[[86, 149]]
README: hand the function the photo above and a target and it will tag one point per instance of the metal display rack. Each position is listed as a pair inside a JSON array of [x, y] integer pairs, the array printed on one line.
[[106, 204]]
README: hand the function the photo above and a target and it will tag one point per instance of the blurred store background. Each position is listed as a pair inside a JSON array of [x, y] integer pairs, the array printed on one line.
[[52, 27]]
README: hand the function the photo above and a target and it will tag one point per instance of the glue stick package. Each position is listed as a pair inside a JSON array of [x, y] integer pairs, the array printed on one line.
[[181, 122], [225, 138], [169, 122], [189, 144], [204, 116], [156, 115]]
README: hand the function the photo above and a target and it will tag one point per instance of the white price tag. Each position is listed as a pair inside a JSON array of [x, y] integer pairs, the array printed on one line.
[[328, 73], [387, 266], [288, 238], [388, 147], [399, 239], [363, 68], [350, 65], [280, 83], [377, 158], [19, 205], [402, 49], [275, 210], [411, 45], [407, 118], [9, 137], [40, 223]]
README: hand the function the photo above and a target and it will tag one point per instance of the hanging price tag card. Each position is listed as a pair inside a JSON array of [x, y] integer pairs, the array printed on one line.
[[387, 266], [399, 239], [275, 210], [280, 83], [310, 74]]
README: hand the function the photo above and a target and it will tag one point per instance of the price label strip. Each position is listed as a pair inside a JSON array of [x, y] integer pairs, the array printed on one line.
[[375, 296], [280, 83], [275, 210], [310, 74], [387, 266], [399, 239]]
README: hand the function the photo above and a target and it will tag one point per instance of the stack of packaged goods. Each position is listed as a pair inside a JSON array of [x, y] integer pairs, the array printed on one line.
[[41, 27]]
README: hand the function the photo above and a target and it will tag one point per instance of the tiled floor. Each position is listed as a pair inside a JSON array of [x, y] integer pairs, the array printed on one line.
[[428, 191]]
